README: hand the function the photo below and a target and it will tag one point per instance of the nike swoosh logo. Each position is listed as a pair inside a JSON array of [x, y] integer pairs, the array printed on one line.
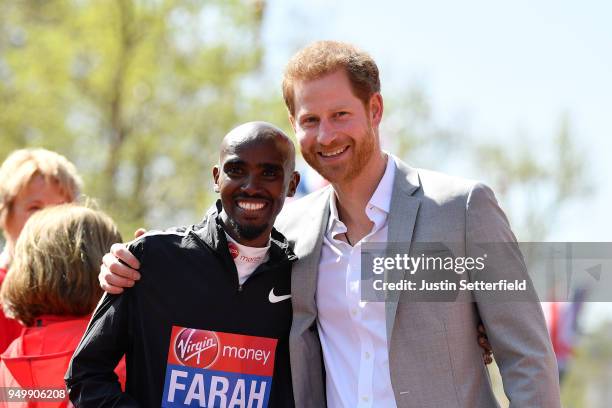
[[275, 299]]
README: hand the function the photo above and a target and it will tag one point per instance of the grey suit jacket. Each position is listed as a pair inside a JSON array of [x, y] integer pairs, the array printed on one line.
[[434, 357]]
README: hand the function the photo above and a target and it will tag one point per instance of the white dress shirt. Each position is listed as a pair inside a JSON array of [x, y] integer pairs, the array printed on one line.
[[353, 333]]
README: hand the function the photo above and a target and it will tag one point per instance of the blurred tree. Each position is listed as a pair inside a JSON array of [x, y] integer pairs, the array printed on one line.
[[534, 180], [588, 382], [411, 130], [137, 93]]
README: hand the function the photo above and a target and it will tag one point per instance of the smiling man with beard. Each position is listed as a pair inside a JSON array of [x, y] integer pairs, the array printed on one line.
[[209, 322], [253, 149]]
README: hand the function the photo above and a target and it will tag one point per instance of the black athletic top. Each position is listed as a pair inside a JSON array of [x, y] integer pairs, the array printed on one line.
[[192, 336]]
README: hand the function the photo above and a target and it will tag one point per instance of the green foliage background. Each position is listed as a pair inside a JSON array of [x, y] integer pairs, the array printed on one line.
[[136, 93]]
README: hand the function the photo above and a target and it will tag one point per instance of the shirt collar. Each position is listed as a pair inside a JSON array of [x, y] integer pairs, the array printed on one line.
[[229, 239], [381, 199]]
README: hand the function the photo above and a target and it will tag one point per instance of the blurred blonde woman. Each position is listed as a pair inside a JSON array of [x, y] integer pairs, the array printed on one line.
[[30, 179], [52, 289]]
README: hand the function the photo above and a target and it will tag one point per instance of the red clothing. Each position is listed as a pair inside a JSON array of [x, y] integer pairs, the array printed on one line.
[[39, 357], [9, 328]]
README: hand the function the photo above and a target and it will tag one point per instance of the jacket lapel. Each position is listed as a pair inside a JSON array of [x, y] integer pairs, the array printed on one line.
[[402, 217], [306, 269]]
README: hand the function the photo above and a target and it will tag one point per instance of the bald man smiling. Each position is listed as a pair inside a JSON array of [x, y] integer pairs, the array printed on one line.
[[208, 324]]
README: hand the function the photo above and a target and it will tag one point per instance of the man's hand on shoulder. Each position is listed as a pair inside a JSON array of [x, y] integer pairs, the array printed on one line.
[[119, 268]]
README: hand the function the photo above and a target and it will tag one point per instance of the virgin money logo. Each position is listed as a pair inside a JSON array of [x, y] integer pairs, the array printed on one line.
[[196, 348], [233, 249]]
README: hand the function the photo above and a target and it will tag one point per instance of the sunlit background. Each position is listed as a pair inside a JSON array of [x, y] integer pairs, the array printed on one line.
[[517, 94]]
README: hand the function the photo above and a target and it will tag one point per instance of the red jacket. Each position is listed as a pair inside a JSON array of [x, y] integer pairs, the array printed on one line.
[[9, 328], [39, 357]]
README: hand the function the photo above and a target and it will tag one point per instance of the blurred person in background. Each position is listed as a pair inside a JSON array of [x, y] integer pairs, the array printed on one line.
[[52, 289], [30, 180]]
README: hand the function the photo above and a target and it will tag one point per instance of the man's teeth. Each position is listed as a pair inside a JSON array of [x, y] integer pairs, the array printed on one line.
[[333, 153], [251, 206]]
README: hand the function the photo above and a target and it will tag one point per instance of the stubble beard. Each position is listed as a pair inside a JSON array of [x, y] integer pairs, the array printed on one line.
[[362, 155], [247, 232]]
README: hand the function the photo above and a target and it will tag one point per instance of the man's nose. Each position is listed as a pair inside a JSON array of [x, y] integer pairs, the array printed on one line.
[[251, 185], [326, 134]]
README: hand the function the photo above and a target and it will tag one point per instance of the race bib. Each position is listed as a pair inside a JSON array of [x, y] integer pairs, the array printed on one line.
[[216, 369]]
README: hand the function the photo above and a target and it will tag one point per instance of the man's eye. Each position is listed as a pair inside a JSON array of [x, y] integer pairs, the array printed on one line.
[[309, 120], [34, 208], [342, 113], [269, 173], [232, 171]]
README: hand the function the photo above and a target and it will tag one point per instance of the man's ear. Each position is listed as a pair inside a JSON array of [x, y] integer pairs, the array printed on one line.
[[216, 171], [293, 184], [376, 108]]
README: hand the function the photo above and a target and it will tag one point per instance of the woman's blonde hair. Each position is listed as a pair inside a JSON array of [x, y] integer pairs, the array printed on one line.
[[56, 263], [22, 165]]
